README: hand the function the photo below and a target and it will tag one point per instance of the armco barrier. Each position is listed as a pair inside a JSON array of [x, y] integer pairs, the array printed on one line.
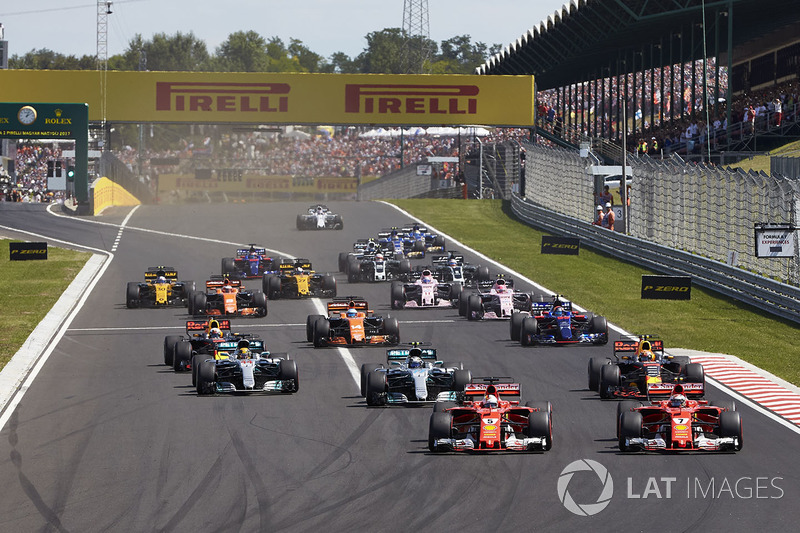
[[765, 294], [108, 193]]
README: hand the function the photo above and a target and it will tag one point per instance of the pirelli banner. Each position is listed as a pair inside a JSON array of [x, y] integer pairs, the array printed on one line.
[[26, 251], [560, 245], [288, 98], [247, 183], [667, 287]]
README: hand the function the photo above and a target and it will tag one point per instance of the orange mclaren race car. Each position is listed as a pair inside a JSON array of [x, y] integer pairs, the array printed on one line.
[[350, 322], [227, 297]]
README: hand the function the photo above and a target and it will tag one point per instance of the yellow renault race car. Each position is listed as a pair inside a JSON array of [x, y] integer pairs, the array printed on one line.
[[160, 288], [296, 279]]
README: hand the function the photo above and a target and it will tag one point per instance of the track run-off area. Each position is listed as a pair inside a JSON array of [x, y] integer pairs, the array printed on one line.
[[103, 436]]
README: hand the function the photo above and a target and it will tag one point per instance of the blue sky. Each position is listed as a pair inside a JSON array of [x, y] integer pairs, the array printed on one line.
[[324, 26]]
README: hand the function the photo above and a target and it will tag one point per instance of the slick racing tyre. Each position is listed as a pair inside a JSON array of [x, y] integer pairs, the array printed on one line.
[[169, 348], [310, 320], [630, 427], [367, 369], [440, 427], [392, 330], [182, 356], [595, 368], [540, 424], [376, 389], [287, 369], [609, 377], [206, 378], [132, 295], [528, 331], [516, 324]]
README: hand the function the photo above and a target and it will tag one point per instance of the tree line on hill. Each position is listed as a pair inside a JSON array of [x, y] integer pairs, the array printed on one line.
[[387, 52]]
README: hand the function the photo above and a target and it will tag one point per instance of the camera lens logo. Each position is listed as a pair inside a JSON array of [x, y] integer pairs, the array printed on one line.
[[585, 509]]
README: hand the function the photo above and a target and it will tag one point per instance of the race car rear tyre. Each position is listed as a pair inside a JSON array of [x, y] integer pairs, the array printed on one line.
[[182, 356], [630, 427], [678, 363], [392, 329], [439, 241], [188, 288], [440, 427], [405, 266], [310, 320], [730, 405], [353, 269], [694, 373], [300, 223], [338, 223], [260, 303], [132, 295], [169, 348], [343, 261], [730, 425], [439, 407], [463, 302], [609, 377], [482, 273], [623, 407], [595, 367], [199, 303], [322, 330], [329, 285], [599, 324], [287, 369], [366, 369], [528, 331], [228, 265], [516, 324], [196, 360], [418, 246], [398, 295], [540, 424], [474, 307], [205, 378], [461, 378], [376, 389]]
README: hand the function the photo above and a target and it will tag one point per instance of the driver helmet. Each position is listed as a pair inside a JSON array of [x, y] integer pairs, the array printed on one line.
[[227, 288], [319, 209], [647, 355], [490, 401], [351, 313], [243, 353], [414, 362], [161, 279], [558, 311], [427, 277], [378, 257], [371, 245], [452, 262], [252, 249], [500, 285], [299, 270], [215, 333], [679, 400]]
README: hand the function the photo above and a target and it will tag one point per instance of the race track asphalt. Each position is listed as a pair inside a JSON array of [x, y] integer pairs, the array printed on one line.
[[109, 439]]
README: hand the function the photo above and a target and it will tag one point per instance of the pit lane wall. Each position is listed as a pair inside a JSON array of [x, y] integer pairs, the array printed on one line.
[[405, 183], [107, 194]]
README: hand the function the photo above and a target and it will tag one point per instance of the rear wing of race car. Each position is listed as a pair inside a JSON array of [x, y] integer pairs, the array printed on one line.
[[502, 389], [636, 345], [540, 307], [217, 282], [253, 345], [242, 252], [168, 272], [344, 303], [291, 264], [442, 260], [195, 326], [400, 354]]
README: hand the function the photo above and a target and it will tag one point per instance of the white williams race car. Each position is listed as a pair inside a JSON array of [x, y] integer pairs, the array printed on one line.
[[319, 217]]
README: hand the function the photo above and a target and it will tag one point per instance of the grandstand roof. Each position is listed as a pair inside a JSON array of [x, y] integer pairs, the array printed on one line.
[[587, 37]]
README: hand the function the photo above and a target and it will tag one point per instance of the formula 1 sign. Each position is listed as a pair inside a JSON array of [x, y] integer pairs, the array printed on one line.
[[775, 240]]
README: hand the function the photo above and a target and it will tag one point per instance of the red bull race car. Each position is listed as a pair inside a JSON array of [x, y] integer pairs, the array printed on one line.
[[350, 322], [679, 424], [487, 417]]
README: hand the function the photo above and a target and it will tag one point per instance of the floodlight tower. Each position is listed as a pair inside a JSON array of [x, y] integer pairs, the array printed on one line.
[[416, 26], [103, 11]]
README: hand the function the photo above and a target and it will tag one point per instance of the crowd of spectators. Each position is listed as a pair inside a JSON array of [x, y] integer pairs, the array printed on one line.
[[29, 184]]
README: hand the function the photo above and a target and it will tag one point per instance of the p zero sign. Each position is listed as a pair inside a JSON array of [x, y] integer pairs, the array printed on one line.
[[775, 240], [560, 245], [26, 251], [666, 287]]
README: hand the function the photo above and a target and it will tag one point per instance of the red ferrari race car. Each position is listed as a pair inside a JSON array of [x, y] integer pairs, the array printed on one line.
[[642, 370], [481, 420], [350, 322], [678, 424], [227, 297]]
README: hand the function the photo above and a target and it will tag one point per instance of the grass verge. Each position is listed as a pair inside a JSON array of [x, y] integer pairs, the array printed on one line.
[[610, 287], [30, 288]]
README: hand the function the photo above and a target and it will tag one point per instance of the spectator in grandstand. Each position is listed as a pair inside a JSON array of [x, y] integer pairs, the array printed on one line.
[[777, 110]]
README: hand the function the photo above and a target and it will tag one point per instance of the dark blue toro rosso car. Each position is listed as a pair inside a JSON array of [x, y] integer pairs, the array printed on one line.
[[250, 262], [556, 323]]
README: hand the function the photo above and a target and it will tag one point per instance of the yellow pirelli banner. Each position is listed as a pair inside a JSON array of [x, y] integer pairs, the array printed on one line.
[[254, 183], [211, 97]]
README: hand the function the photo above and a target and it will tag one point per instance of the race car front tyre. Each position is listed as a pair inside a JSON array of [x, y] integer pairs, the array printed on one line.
[[516, 324], [540, 424], [528, 331], [132, 295], [199, 303], [392, 329], [196, 360], [623, 407], [455, 292], [322, 330], [169, 348], [482, 273], [474, 307], [376, 389], [595, 367], [182, 356], [260, 303], [310, 320], [398, 295], [301, 225], [366, 369], [630, 427], [730, 425], [461, 378], [609, 377], [440, 427], [343, 261], [599, 324], [338, 223], [206, 378], [541, 406], [463, 302], [287, 369]]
